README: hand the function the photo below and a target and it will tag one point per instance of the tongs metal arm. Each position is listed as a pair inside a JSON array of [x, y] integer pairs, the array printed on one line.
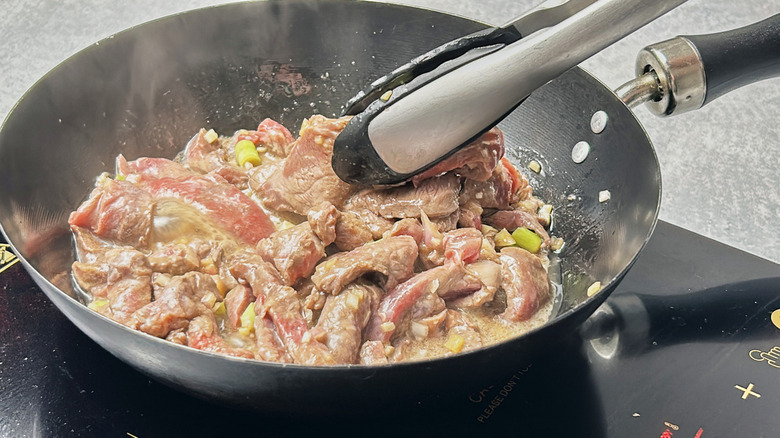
[[409, 127], [544, 15]]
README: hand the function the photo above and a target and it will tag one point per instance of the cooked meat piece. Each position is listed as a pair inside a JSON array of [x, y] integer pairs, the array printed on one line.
[[393, 257], [272, 135], [323, 220], [351, 232], [431, 248], [175, 304], [460, 324], [204, 157], [284, 307], [236, 302], [174, 259], [489, 273], [470, 215], [306, 177], [146, 168], [211, 195], [435, 196], [282, 304], [129, 282], [512, 219], [120, 274], [475, 161], [344, 317], [294, 251], [178, 336], [495, 192], [117, 211], [260, 275], [447, 223], [451, 280], [354, 229], [268, 345], [462, 245], [222, 203], [373, 353], [525, 282], [406, 227], [433, 321], [203, 334]]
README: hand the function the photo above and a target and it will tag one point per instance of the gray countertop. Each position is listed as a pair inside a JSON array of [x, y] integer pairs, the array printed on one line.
[[718, 163]]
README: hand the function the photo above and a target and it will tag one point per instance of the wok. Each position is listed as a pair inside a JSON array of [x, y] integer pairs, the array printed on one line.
[[145, 91]]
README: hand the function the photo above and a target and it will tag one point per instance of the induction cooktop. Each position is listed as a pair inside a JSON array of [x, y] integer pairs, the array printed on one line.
[[688, 346]]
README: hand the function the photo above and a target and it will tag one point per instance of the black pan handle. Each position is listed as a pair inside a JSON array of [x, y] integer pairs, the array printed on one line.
[[687, 72], [739, 57], [638, 322]]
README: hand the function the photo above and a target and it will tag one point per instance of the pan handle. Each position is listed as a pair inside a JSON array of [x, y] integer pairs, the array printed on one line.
[[687, 72]]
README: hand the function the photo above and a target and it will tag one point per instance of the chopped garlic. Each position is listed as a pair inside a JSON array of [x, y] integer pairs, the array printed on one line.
[[503, 238], [605, 196], [210, 136], [455, 343], [535, 166], [353, 302], [388, 326], [594, 288], [209, 299], [420, 331], [545, 215], [556, 243]]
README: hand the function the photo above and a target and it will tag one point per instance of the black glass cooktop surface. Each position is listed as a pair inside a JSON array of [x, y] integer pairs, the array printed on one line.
[[687, 347]]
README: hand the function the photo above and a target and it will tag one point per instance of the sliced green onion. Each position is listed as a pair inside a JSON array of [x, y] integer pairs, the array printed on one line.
[[246, 152], [527, 239]]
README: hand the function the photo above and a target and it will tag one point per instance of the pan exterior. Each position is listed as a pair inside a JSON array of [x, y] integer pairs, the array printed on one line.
[[145, 91]]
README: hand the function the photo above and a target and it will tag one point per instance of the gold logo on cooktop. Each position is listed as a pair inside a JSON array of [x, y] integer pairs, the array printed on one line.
[[776, 318], [772, 357], [7, 257]]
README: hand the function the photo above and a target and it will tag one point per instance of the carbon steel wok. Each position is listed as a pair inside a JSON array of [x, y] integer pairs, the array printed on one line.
[[145, 91]]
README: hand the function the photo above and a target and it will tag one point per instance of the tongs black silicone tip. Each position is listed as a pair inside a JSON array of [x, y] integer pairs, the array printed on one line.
[[354, 160]]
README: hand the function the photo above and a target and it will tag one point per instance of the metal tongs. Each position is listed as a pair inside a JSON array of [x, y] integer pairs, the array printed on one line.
[[422, 112]]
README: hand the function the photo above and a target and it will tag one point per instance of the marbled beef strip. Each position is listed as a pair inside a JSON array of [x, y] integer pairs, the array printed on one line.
[[204, 157], [450, 280], [117, 211], [498, 191], [212, 196], [525, 282], [373, 353], [343, 319], [203, 334], [174, 259], [306, 178], [394, 257], [282, 304], [489, 273], [175, 304], [272, 135], [236, 302], [294, 251], [475, 161], [323, 220], [436, 197]]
